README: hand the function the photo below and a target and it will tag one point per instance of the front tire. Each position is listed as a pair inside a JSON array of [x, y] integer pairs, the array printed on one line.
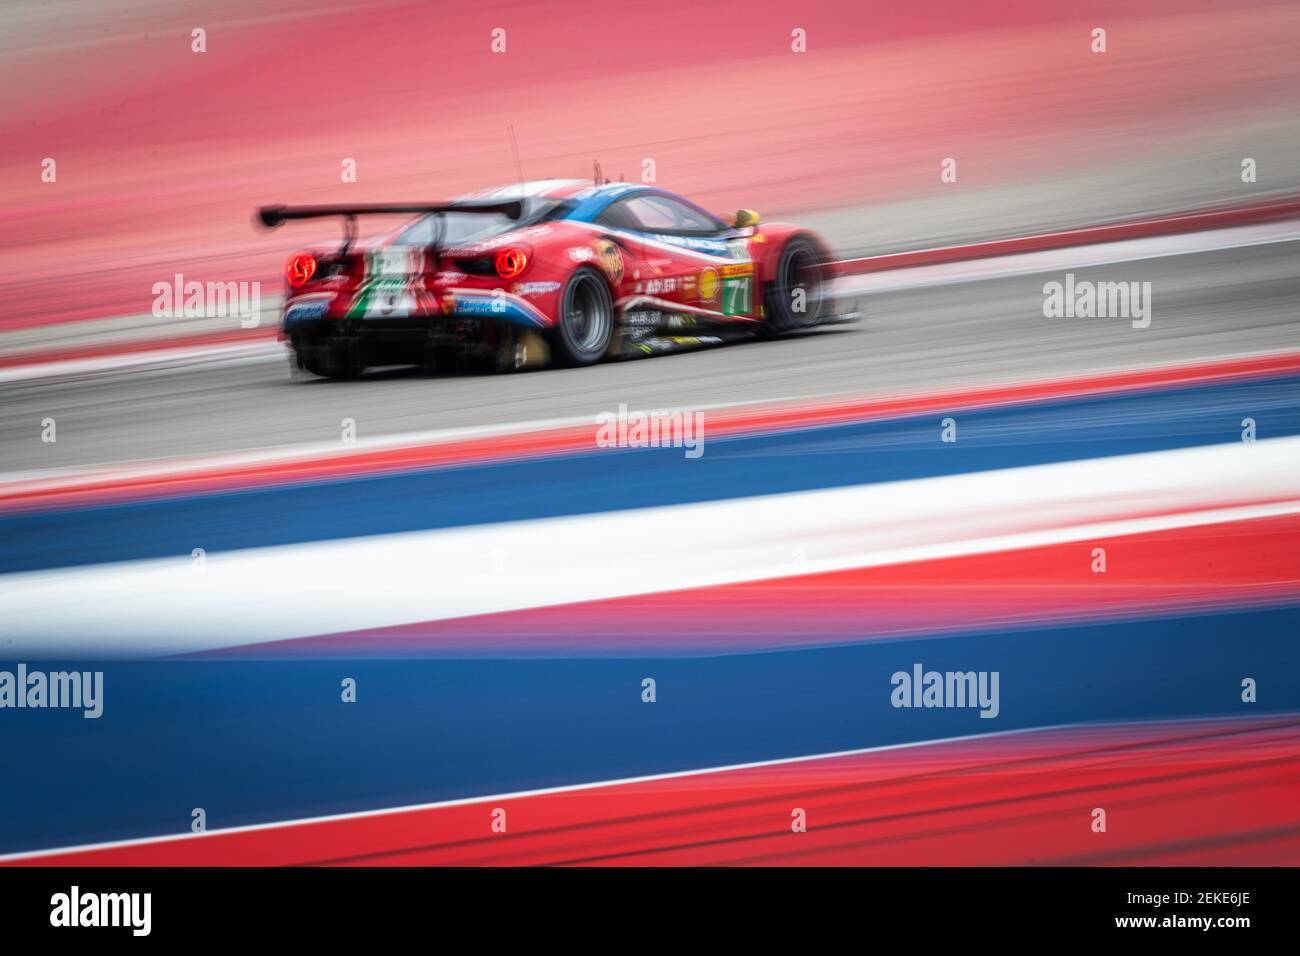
[[585, 323], [795, 297]]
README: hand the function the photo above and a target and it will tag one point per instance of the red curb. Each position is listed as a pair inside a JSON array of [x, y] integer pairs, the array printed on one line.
[[639, 821]]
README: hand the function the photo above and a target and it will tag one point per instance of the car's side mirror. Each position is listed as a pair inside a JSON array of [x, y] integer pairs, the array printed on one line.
[[745, 218]]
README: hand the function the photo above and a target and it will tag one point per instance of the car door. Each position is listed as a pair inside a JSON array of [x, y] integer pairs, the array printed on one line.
[[697, 270]]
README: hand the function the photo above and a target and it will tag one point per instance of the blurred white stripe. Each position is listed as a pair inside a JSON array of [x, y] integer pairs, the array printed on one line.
[[1072, 257], [242, 353], [245, 597]]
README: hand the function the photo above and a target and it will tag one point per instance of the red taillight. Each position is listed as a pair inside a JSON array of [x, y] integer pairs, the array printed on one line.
[[299, 269], [511, 261]]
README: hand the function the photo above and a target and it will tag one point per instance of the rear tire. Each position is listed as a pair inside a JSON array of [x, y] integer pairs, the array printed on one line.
[[585, 323], [795, 296]]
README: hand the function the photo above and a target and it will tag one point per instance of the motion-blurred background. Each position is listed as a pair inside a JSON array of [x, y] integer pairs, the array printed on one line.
[[499, 586], [162, 152]]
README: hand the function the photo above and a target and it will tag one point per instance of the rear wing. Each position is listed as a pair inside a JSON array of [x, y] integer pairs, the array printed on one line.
[[273, 216]]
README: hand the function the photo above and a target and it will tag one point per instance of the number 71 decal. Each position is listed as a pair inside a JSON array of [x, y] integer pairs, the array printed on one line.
[[737, 296]]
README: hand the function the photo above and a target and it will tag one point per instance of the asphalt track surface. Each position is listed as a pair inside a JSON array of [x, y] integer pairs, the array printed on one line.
[[1205, 305]]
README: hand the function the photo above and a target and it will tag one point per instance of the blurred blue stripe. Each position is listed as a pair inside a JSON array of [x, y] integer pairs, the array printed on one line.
[[179, 735], [614, 479]]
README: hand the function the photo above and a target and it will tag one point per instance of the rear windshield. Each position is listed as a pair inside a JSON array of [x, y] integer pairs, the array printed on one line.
[[466, 228]]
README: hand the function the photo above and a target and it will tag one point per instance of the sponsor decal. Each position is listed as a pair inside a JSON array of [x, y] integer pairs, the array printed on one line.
[[581, 254], [611, 260], [713, 246], [738, 294], [497, 304], [740, 269], [709, 285], [383, 299], [536, 288], [505, 239], [475, 305], [661, 286], [640, 323], [667, 344], [306, 311]]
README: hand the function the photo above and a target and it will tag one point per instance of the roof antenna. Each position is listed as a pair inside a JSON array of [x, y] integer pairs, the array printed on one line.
[[597, 174], [514, 147]]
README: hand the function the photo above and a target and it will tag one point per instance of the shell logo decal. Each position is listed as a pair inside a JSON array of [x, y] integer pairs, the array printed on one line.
[[709, 285]]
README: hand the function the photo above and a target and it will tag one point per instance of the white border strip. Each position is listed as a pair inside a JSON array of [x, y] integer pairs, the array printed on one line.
[[165, 356], [165, 606], [1067, 258]]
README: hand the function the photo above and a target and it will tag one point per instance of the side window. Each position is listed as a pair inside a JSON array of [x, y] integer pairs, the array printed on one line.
[[617, 216], [662, 214]]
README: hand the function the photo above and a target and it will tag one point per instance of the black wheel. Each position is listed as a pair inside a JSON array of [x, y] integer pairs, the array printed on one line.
[[796, 293], [586, 320]]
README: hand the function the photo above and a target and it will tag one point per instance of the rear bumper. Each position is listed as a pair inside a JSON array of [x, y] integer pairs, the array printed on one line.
[[437, 342], [401, 339], [315, 313]]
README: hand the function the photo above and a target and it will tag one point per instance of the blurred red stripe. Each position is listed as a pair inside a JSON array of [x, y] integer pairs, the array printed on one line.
[[1223, 791]]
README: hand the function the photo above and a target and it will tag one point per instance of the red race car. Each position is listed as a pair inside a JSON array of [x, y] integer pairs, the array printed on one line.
[[559, 271]]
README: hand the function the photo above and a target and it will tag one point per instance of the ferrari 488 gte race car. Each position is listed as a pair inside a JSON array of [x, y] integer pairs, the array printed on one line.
[[560, 271]]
